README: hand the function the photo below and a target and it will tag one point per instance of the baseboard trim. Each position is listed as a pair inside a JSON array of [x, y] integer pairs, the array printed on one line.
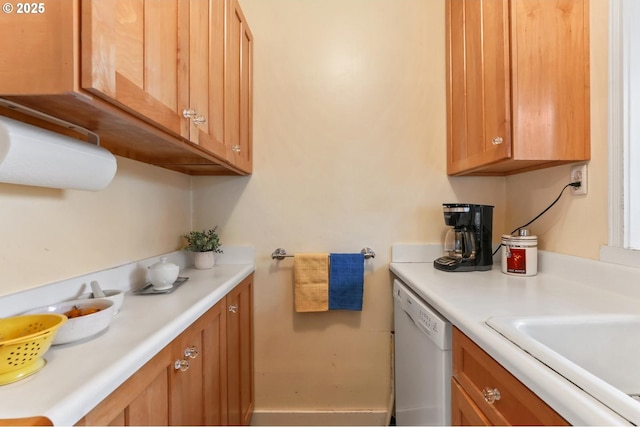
[[319, 418]]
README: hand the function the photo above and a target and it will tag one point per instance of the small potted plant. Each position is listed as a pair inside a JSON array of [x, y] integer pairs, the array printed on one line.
[[203, 244]]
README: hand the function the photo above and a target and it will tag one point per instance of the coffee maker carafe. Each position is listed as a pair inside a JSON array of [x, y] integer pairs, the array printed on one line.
[[467, 246]]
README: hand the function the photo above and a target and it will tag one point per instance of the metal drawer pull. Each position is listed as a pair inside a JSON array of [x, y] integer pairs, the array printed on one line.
[[491, 394], [191, 352], [233, 308], [182, 365]]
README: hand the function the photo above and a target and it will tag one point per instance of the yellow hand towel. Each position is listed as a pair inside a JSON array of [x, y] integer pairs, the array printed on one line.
[[311, 277]]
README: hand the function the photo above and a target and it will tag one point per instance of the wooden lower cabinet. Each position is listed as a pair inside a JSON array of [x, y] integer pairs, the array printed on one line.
[[240, 391], [464, 411], [484, 393], [142, 400], [29, 421], [196, 396], [203, 377]]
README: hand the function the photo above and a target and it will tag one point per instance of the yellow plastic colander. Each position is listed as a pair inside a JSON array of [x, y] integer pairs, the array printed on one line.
[[23, 341]]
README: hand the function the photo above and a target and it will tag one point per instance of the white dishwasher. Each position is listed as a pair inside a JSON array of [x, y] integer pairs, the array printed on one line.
[[422, 361]]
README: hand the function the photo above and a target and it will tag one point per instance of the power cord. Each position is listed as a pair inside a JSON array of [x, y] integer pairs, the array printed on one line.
[[576, 184]]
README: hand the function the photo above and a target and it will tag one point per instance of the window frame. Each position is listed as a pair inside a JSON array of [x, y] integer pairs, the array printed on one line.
[[624, 144]]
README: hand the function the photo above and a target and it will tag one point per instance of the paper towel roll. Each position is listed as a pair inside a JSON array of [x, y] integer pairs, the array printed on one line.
[[33, 156]]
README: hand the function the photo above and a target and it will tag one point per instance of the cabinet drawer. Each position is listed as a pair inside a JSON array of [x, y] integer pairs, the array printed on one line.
[[479, 375], [463, 411]]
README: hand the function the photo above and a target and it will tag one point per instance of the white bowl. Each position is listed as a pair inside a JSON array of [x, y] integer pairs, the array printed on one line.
[[82, 327], [115, 295]]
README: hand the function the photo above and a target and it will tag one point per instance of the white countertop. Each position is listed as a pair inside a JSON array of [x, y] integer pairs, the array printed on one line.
[[563, 285], [79, 375]]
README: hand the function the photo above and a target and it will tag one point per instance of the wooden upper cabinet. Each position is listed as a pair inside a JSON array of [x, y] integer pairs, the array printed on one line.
[[135, 53], [517, 85], [206, 74], [165, 61], [165, 82], [32, 61], [478, 90], [238, 89]]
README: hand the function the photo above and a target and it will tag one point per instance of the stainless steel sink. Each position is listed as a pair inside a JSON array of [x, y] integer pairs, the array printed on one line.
[[598, 353]]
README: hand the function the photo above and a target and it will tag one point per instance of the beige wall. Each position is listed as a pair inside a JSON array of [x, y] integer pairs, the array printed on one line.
[[349, 137], [577, 225], [50, 235]]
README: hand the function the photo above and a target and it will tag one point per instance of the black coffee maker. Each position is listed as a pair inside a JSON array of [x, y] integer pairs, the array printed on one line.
[[467, 246]]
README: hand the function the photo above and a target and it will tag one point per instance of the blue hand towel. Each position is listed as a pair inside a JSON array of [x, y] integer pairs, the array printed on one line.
[[346, 280]]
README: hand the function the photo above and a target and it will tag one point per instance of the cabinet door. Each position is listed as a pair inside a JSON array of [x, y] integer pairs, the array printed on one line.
[[240, 393], [214, 348], [551, 106], [187, 380], [33, 60], [151, 407], [142, 400], [197, 393], [135, 55], [238, 89], [478, 85], [206, 74]]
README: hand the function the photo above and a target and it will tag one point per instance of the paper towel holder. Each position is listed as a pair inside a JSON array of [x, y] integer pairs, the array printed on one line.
[[35, 156], [92, 137]]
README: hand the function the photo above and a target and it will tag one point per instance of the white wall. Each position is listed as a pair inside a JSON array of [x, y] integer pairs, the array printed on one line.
[[50, 235], [349, 139]]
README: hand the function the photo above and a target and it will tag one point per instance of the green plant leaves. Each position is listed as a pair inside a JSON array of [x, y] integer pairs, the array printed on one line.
[[203, 241]]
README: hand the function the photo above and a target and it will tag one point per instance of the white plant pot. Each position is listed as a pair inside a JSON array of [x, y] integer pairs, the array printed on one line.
[[204, 260]]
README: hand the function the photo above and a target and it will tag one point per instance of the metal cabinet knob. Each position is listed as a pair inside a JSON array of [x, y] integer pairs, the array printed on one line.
[[233, 308], [181, 365], [191, 352], [497, 140], [490, 394], [235, 149]]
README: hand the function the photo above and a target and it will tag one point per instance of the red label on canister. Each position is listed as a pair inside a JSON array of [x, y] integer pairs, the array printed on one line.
[[517, 261]]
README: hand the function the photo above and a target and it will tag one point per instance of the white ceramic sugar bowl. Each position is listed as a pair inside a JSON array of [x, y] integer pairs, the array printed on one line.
[[162, 274]]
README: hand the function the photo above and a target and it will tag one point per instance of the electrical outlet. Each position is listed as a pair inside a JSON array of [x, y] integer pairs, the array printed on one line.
[[579, 174]]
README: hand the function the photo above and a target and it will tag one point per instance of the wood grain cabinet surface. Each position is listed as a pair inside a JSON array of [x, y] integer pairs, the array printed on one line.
[[240, 390], [484, 393], [517, 85], [164, 82], [238, 88], [203, 377]]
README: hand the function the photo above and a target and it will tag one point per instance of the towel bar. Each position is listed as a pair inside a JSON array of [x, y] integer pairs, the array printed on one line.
[[282, 254]]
